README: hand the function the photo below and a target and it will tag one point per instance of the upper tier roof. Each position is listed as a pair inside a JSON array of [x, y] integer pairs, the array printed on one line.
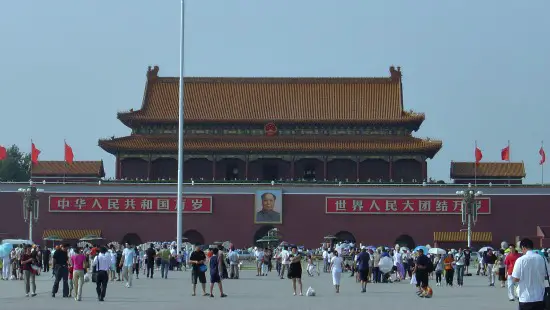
[[279, 100], [60, 168]]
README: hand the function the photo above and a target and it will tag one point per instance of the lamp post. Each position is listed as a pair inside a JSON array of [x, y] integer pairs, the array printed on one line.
[[469, 210], [30, 205], [179, 207]]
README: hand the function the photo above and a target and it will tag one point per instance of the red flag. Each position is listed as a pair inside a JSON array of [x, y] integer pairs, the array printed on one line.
[[478, 155], [542, 156], [69, 156], [505, 153], [3, 153], [34, 154]]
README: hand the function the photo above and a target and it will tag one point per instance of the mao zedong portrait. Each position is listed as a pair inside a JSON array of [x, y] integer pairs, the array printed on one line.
[[267, 214]]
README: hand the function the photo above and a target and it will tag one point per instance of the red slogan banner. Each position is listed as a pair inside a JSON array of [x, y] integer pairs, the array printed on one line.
[[129, 204], [401, 205]]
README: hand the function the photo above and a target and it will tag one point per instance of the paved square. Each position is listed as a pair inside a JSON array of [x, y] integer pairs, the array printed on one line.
[[251, 292]]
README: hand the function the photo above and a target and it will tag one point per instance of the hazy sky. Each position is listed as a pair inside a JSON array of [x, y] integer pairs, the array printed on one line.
[[478, 69]]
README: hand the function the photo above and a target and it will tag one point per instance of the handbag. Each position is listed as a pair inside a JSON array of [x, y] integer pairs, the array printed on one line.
[[546, 298], [203, 268], [94, 274]]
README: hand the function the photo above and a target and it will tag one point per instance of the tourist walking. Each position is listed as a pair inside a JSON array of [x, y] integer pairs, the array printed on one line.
[[127, 264], [285, 262], [102, 265], [438, 269], [28, 272], [509, 262], [449, 269], [6, 263], [198, 273], [215, 270], [529, 272], [336, 266], [363, 266], [61, 270], [150, 260], [78, 263], [233, 264], [295, 270], [164, 261], [460, 265], [490, 260]]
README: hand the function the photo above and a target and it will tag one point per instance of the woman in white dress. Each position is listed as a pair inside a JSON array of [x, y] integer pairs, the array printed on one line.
[[336, 265]]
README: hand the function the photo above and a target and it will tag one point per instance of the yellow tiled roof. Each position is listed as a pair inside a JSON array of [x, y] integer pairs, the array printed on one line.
[[77, 168], [70, 234], [488, 169], [261, 100], [462, 236], [297, 144]]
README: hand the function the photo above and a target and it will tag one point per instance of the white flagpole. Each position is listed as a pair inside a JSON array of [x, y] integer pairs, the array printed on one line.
[[475, 166], [509, 163], [179, 224]]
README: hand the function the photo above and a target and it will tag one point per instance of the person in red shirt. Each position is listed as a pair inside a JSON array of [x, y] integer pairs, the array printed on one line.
[[509, 262]]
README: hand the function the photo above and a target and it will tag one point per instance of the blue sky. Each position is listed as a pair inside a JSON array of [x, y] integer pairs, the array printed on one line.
[[478, 69]]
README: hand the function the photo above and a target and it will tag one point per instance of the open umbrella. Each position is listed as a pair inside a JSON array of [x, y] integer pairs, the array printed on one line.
[[437, 251], [330, 237], [90, 238], [421, 247], [485, 249], [53, 238], [217, 243]]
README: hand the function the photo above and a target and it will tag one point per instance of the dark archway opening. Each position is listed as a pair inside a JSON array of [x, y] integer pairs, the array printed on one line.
[[405, 240], [132, 239], [261, 232], [345, 236], [194, 237]]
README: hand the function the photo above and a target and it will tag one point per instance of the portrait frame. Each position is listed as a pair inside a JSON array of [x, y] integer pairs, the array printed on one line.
[[262, 216]]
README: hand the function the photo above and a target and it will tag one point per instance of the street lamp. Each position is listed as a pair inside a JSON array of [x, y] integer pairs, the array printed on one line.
[[30, 205], [469, 210]]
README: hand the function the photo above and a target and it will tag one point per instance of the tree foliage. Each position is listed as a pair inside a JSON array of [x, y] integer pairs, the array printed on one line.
[[15, 168]]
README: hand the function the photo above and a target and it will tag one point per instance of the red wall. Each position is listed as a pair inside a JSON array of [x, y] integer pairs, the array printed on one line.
[[304, 218]]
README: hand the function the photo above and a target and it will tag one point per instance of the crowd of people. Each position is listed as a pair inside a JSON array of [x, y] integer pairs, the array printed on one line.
[[522, 273]]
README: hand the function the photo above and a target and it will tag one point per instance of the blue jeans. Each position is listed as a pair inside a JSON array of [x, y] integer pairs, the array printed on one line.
[[460, 274], [164, 265]]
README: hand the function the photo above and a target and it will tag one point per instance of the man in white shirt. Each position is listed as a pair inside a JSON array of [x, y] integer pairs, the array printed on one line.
[[102, 263], [529, 272], [285, 261], [233, 264], [326, 262]]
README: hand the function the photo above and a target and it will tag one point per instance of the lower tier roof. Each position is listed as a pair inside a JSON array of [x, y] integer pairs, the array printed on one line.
[[277, 144]]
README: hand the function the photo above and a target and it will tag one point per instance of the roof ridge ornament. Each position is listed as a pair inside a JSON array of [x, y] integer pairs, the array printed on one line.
[[152, 73], [395, 74]]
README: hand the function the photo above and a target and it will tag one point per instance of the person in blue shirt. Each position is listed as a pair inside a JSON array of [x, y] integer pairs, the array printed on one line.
[[363, 267]]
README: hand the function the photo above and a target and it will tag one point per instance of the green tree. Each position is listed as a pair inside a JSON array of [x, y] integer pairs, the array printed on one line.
[[15, 168]]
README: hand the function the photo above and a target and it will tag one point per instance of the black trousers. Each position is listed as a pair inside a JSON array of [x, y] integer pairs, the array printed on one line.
[[449, 275], [539, 305], [101, 283], [61, 272], [46, 265], [150, 268], [422, 279]]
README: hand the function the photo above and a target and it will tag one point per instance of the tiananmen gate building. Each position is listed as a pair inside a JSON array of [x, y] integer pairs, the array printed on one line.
[[309, 156]]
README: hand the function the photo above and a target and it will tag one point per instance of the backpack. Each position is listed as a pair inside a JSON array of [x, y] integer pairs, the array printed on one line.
[[430, 266]]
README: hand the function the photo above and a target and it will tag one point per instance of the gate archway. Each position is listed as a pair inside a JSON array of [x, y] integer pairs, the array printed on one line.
[[132, 239], [194, 237], [405, 240], [345, 236], [261, 232]]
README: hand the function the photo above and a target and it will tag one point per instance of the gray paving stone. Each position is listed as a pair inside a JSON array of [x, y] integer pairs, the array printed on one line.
[[251, 292]]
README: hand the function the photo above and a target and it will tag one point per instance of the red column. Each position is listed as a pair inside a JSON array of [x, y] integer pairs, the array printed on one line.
[[117, 168], [391, 169], [325, 168], [246, 167], [149, 163], [357, 166], [424, 170], [214, 160], [292, 168]]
